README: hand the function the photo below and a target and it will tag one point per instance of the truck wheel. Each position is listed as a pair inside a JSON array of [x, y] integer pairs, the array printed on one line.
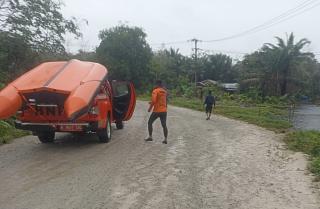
[[105, 134], [119, 125], [46, 137]]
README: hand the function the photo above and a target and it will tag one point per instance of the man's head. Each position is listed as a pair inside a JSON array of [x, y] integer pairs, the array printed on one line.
[[209, 92], [158, 83]]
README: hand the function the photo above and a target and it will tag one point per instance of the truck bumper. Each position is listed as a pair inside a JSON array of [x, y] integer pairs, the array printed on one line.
[[57, 127]]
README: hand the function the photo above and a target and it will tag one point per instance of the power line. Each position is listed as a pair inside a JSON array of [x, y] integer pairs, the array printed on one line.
[[226, 52], [301, 8], [289, 14], [270, 22], [170, 43]]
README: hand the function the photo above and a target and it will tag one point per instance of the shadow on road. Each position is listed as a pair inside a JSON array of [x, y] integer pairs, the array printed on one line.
[[65, 142]]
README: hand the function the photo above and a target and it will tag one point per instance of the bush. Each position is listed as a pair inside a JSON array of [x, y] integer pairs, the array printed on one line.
[[315, 166], [4, 128], [305, 141], [309, 143], [8, 132]]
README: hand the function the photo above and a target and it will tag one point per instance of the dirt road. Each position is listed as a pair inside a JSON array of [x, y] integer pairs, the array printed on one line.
[[220, 163]]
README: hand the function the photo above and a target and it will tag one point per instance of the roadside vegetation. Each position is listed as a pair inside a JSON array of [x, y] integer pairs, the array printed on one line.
[[8, 132], [309, 143], [273, 114]]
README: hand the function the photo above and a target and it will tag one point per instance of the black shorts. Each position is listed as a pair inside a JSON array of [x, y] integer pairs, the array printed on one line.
[[208, 108]]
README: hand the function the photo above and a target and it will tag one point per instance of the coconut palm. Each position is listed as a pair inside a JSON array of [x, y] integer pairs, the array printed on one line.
[[288, 56]]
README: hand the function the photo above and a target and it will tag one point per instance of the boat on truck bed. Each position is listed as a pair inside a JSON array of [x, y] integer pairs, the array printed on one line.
[[72, 96]]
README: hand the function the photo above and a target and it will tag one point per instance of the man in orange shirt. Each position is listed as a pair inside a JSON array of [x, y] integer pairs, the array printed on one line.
[[159, 105]]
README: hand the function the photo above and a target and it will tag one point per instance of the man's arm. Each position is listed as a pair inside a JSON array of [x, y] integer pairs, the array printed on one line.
[[153, 100], [206, 100]]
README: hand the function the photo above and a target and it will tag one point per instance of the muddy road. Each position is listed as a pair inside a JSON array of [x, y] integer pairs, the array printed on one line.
[[220, 163]]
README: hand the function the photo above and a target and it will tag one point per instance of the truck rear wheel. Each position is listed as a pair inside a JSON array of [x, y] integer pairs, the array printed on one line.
[[119, 125], [105, 134], [46, 137]]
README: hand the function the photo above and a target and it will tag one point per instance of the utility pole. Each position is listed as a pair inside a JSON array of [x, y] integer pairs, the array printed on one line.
[[196, 49], [163, 46]]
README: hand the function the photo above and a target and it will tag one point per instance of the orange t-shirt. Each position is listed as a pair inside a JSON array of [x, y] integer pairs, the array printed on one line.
[[159, 100]]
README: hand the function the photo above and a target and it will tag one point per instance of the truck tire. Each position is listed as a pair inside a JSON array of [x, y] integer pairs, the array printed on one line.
[[104, 134], [46, 137], [119, 125]]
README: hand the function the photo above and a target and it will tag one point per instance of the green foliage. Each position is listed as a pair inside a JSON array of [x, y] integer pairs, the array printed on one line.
[[194, 104], [178, 71], [4, 128], [281, 69], [315, 166], [125, 52], [268, 117], [172, 67], [32, 31], [305, 141], [40, 24], [8, 132], [217, 67], [15, 56], [273, 118], [309, 143]]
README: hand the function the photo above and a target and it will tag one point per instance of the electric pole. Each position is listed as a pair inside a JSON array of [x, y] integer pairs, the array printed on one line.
[[196, 49]]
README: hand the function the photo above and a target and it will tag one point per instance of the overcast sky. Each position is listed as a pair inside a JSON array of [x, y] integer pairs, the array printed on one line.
[[181, 20]]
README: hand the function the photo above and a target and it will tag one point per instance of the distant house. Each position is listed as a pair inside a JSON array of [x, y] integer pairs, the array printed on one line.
[[208, 82], [230, 87]]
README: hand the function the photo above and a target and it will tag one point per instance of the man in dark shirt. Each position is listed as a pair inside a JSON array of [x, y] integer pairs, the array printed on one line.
[[209, 103]]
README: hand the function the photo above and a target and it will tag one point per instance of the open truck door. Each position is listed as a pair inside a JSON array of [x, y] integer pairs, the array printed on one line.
[[124, 101]]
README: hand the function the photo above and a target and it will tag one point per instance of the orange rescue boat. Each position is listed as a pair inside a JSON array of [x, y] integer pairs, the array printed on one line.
[[74, 83]]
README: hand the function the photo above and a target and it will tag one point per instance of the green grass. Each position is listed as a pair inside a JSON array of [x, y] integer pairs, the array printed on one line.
[[270, 117], [8, 132], [309, 143]]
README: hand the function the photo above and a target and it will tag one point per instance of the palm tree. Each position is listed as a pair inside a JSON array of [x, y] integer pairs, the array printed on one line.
[[288, 55]]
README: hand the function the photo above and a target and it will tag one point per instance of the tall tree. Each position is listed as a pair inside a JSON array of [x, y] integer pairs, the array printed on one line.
[[15, 55], [279, 69], [217, 67], [171, 66], [38, 22], [126, 53], [32, 31], [289, 55]]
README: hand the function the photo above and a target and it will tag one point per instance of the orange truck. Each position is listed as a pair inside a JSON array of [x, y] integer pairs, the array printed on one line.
[[73, 96]]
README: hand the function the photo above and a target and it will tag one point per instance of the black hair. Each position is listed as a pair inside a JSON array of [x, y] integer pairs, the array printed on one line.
[[158, 82], [210, 92]]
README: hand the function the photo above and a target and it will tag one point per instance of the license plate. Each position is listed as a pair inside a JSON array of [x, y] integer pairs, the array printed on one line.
[[70, 128]]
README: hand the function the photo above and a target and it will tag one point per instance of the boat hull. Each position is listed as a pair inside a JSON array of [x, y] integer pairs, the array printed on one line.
[[75, 81], [10, 102]]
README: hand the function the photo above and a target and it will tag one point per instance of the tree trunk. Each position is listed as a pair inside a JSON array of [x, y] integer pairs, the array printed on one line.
[[284, 83]]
